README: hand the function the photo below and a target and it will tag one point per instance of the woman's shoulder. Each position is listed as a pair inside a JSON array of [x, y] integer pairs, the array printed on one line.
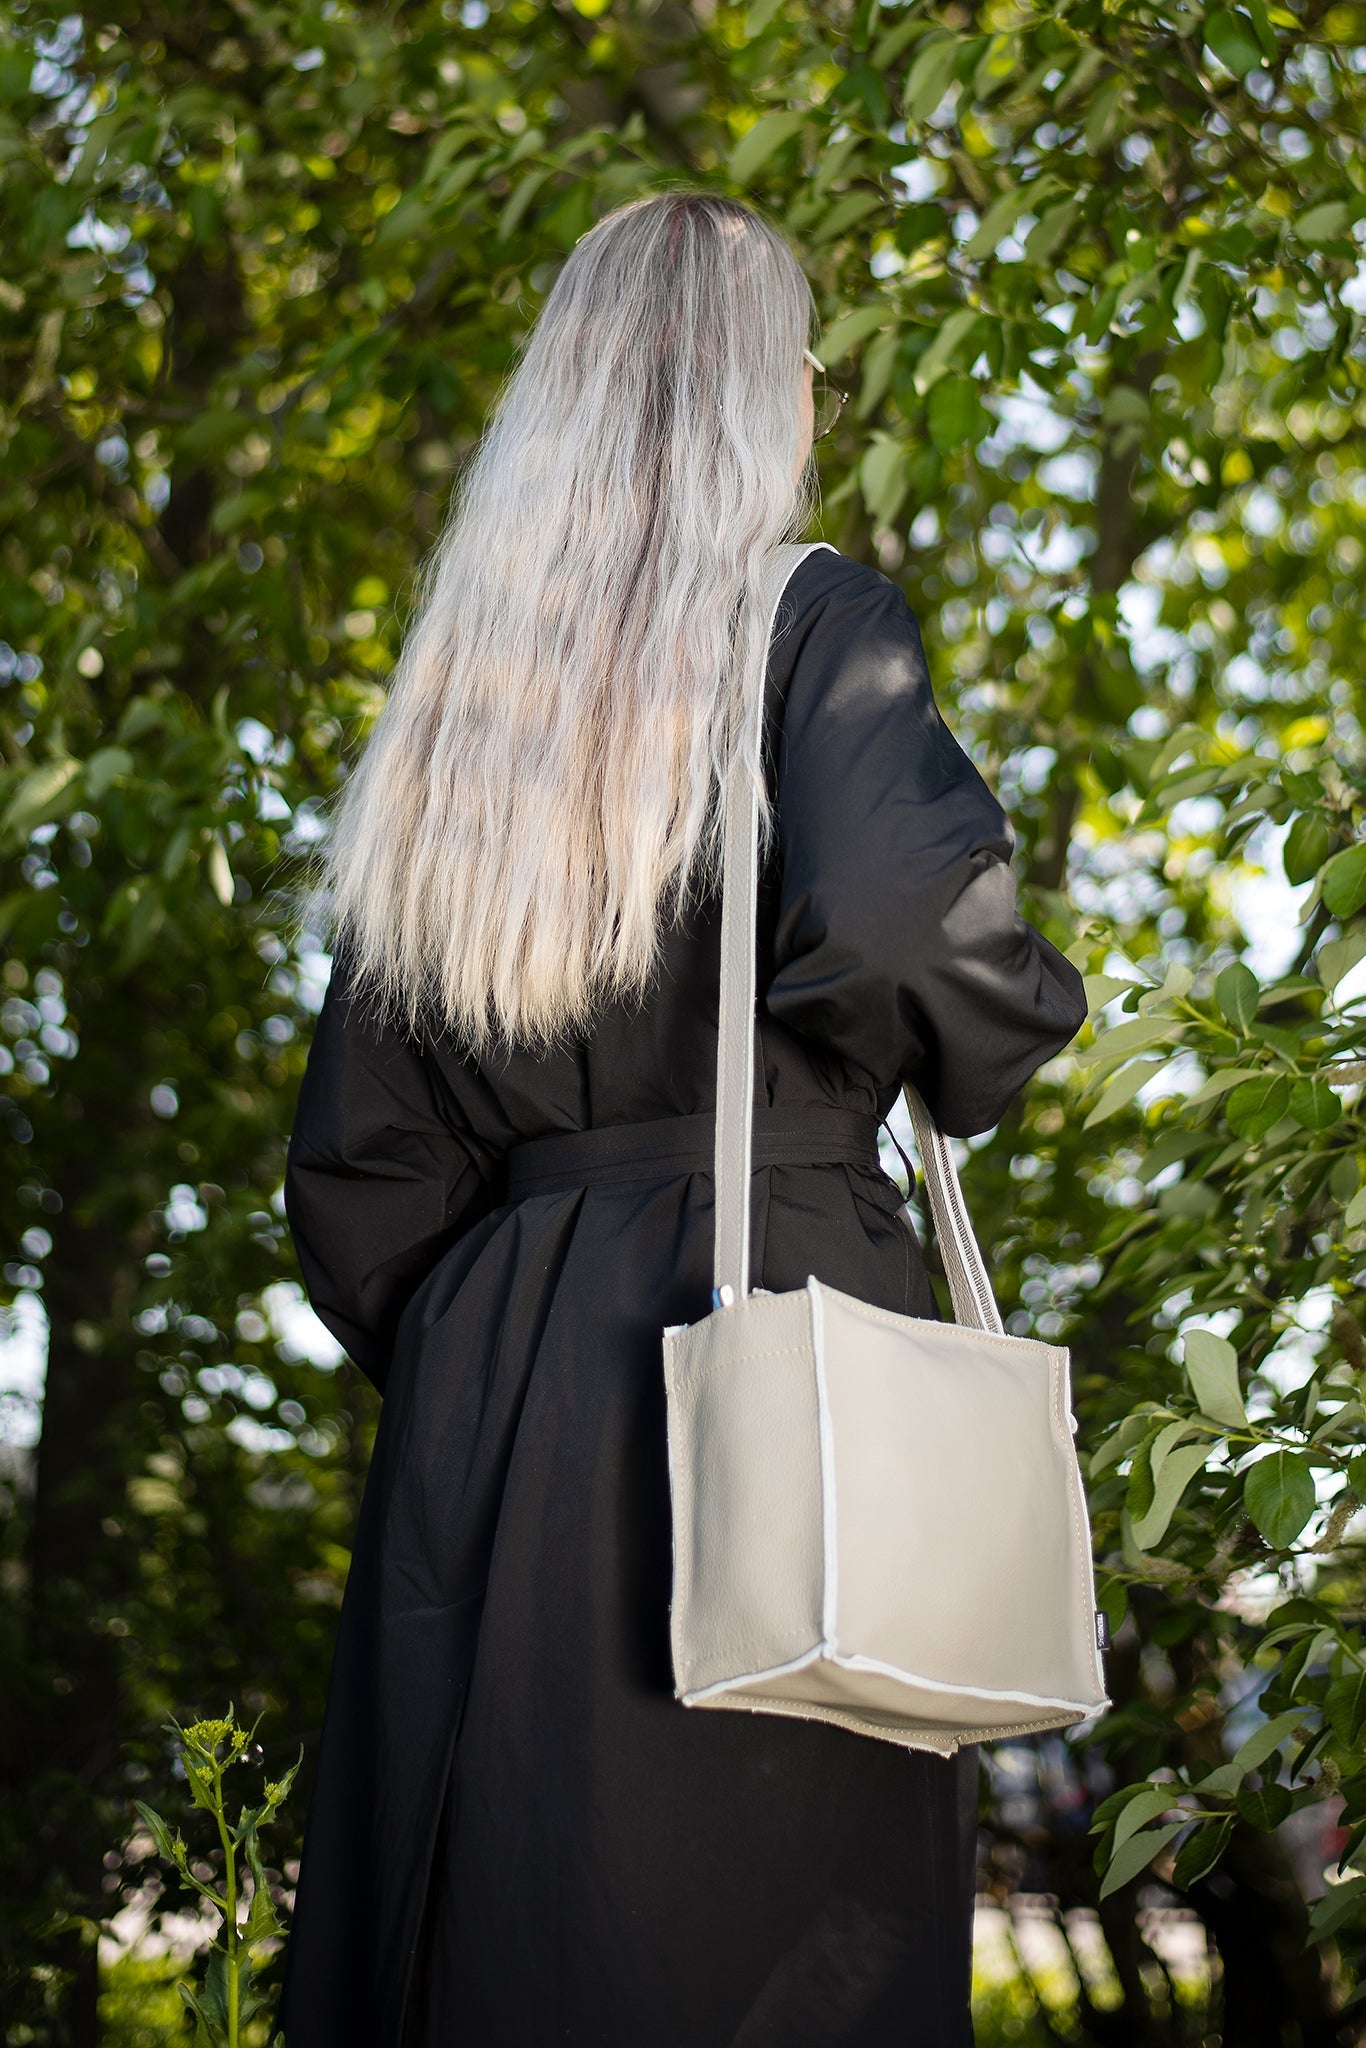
[[841, 620], [825, 575]]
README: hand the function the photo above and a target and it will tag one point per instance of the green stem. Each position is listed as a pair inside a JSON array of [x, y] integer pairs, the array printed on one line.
[[230, 1897]]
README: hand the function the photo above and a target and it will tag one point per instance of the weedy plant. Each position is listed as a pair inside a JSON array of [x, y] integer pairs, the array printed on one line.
[[228, 1997]]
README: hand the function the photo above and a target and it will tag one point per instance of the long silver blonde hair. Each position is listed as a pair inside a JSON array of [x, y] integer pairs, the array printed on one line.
[[543, 786]]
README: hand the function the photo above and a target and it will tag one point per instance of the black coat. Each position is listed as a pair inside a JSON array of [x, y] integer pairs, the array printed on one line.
[[597, 1863]]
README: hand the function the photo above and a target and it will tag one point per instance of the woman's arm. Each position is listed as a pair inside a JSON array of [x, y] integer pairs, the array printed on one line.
[[898, 941], [378, 1182]]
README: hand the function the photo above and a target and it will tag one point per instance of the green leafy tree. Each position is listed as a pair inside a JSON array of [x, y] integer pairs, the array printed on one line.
[[1094, 280]]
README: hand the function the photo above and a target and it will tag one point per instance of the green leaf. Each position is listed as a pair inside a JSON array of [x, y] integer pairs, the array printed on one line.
[[847, 210], [850, 329], [1212, 1368], [1104, 108], [1264, 1806], [1223, 1779], [216, 1987], [1134, 1036], [1137, 1853], [1325, 223], [1139, 1492], [105, 767], [212, 432], [1233, 41], [1338, 1903], [1146, 1806], [1336, 958], [1345, 1706], [1263, 1742], [1179, 1467], [1254, 1106], [879, 367], [408, 216], [956, 415], [159, 1831], [996, 223], [1050, 230], [1114, 1804], [1122, 1088], [884, 478], [1120, 1441], [1308, 844], [1102, 989], [203, 2037], [762, 141], [760, 15], [1278, 1492], [1314, 1105], [928, 78], [518, 202], [220, 870], [1219, 1083], [1237, 993], [1200, 1851], [941, 351], [43, 794], [888, 47], [1266, 34], [1343, 881]]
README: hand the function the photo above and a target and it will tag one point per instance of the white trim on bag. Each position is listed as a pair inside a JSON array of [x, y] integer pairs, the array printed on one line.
[[720, 1685], [856, 1663]]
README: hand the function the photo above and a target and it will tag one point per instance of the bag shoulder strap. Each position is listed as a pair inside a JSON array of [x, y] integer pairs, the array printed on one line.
[[974, 1304], [736, 1021]]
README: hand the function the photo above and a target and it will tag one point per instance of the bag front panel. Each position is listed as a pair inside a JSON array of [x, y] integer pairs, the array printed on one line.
[[960, 1553]]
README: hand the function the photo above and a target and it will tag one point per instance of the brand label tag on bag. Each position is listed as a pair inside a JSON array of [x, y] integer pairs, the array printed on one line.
[[1102, 1629]]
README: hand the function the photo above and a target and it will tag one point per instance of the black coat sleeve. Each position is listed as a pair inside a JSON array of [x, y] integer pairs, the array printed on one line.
[[379, 1180], [898, 942]]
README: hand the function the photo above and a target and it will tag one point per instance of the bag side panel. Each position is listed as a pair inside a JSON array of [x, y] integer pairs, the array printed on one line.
[[744, 1470]]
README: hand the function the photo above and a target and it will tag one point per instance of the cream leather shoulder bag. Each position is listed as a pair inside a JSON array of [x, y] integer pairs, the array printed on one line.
[[878, 1520]]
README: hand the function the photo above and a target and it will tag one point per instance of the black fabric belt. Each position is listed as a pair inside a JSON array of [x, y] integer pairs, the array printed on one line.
[[813, 1134]]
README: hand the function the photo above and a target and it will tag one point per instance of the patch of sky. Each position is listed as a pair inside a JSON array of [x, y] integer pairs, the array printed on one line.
[[23, 1367], [1266, 905], [924, 529], [309, 826], [1261, 514], [315, 972], [270, 805], [1070, 475], [259, 742], [1151, 646], [1247, 679], [1029, 420], [259, 1438], [1180, 1075], [184, 1210], [1289, 1364], [1065, 548], [296, 1330], [90, 232], [1194, 817]]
